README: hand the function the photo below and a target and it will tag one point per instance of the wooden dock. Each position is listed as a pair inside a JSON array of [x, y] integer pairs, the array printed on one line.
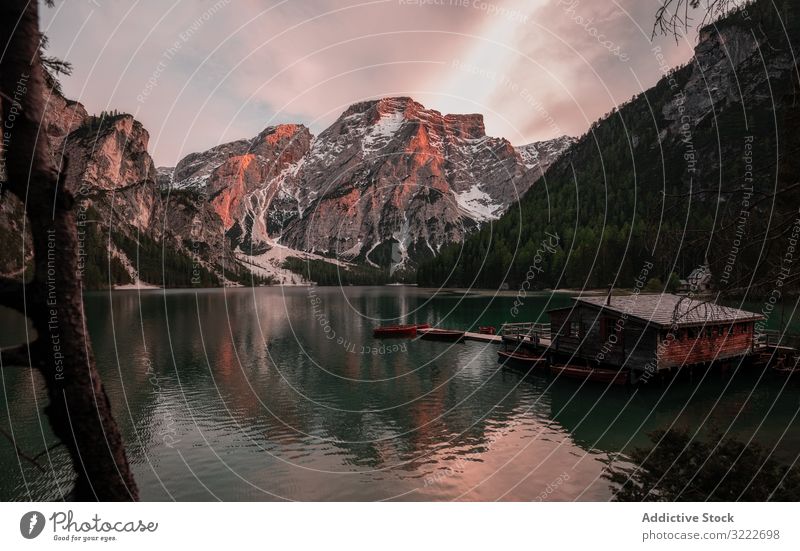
[[544, 342], [480, 337], [469, 336]]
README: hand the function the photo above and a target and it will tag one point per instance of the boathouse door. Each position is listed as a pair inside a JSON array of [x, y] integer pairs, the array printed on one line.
[[613, 338]]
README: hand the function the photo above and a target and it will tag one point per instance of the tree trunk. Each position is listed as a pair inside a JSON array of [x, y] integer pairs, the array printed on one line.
[[79, 411]]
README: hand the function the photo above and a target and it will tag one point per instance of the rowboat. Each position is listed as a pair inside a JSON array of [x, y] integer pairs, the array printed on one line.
[[487, 330], [442, 335], [520, 341], [785, 371], [522, 358], [395, 331], [608, 376]]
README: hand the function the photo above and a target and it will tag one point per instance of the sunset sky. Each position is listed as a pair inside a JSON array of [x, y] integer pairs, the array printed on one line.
[[200, 73]]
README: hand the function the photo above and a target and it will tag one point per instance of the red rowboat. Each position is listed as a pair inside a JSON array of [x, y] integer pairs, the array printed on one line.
[[785, 371], [608, 376], [520, 357], [395, 331], [487, 330]]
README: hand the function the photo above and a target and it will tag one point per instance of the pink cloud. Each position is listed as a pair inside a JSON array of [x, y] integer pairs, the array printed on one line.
[[219, 70]]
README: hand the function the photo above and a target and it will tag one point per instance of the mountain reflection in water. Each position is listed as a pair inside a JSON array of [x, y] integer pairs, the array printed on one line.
[[243, 394]]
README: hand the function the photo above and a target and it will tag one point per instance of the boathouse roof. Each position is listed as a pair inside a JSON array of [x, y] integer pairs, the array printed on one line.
[[667, 309]]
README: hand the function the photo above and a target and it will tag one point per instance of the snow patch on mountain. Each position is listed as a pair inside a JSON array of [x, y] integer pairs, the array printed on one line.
[[478, 204], [380, 134], [540, 155]]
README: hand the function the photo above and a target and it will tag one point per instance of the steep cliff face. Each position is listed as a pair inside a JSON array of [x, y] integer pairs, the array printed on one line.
[[127, 232], [108, 166], [244, 189], [194, 170], [240, 181], [720, 56], [62, 117], [392, 176]]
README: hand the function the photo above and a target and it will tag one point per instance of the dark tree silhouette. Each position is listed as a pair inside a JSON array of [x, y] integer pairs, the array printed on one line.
[[78, 410]]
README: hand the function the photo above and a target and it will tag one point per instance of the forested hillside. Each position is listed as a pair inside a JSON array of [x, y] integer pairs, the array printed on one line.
[[702, 165]]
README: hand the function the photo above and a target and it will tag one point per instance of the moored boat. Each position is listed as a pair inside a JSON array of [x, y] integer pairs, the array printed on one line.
[[442, 335], [785, 371], [785, 366], [519, 357], [608, 376], [521, 341], [487, 330], [395, 331]]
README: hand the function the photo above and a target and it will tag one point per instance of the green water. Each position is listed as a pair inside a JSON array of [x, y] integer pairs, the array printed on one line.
[[245, 395]]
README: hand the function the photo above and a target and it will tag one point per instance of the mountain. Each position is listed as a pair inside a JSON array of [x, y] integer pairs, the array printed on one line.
[[388, 181], [125, 229], [703, 165]]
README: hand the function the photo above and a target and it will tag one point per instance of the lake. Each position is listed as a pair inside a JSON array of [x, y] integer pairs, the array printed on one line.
[[282, 394]]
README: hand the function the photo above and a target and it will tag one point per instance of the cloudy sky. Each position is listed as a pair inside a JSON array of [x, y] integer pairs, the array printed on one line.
[[198, 73]]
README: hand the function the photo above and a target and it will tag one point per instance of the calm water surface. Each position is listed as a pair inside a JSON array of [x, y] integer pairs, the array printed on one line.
[[282, 393]]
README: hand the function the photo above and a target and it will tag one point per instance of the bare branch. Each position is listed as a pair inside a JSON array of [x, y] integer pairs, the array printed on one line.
[[674, 16]]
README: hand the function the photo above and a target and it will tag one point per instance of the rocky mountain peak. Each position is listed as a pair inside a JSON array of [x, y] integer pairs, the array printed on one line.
[[391, 112], [63, 116], [281, 144], [109, 152], [383, 106], [389, 179], [280, 134]]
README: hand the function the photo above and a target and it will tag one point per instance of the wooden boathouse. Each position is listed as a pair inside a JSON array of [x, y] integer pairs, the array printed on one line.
[[650, 333]]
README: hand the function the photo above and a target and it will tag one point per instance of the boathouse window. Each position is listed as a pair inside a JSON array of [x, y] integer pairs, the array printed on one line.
[[606, 327], [574, 329], [690, 334]]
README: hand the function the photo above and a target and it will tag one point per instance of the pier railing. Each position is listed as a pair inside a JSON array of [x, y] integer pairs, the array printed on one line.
[[772, 338], [526, 329]]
